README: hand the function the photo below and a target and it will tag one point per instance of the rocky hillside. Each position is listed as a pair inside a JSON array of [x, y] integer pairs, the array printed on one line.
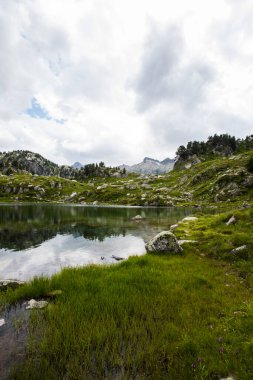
[[150, 166], [218, 182], [23, 161]]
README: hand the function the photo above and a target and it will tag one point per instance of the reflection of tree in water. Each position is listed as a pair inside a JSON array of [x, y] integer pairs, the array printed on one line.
[[26, 226], [20, 240]]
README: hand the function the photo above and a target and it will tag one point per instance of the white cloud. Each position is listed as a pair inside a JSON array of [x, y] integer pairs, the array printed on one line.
[[94, 64]]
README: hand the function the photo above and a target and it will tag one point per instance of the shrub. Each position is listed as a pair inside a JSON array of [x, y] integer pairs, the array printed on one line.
[[250, 165]]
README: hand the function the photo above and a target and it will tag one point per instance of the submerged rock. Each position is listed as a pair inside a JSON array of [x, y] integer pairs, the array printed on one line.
[[117, 258], [32, 304], [137, 217], [165, 241]]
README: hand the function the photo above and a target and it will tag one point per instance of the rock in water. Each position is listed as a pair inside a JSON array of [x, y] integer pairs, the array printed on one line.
[[137, 217], [2, 322], [165, 241]]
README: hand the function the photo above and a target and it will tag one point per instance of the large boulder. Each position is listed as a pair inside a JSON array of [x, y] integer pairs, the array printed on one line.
[[165, 241]]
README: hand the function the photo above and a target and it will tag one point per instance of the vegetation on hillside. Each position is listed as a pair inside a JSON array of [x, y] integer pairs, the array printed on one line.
[[217, 145], [23, 161]]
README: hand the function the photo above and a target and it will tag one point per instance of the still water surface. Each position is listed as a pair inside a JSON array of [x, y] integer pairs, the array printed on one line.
[[42, 239]]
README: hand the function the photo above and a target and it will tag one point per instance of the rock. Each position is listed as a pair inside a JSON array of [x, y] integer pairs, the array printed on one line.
[[32, 304], [2, 322], [95, 203], [228, 378], [117, 258], [181, 242], [73, 195], [232, 220], [173, 227], [189, 219], [238, 249], [246, 205], [137, 217], [5, 284], [165, 241]]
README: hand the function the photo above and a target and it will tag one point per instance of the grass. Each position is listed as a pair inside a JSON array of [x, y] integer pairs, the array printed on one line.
[[198, 185], [150, 317]]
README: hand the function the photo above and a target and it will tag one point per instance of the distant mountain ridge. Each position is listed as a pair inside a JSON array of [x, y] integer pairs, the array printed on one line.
[[150, 166]]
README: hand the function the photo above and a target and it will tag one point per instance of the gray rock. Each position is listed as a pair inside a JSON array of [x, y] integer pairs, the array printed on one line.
[[32, 304], [246, 205], [190, 219], [232, 220], [181, 242], [165, 241], [137, 217], [2, 322], [173, 227], [238, 249]]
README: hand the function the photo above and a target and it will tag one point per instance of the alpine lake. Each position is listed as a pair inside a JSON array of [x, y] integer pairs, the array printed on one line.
[[41, 239]]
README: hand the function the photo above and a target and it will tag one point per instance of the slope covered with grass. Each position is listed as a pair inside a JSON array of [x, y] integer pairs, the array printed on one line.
[[217, 181]]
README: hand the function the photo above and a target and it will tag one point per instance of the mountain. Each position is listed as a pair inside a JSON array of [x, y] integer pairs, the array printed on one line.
[[24, 161], [77, 165], [150, 166]]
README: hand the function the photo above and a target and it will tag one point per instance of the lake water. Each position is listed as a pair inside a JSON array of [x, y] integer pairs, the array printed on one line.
[[42, 239]]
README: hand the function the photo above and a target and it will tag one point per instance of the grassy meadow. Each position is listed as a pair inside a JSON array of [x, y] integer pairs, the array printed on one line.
[[187, 316]]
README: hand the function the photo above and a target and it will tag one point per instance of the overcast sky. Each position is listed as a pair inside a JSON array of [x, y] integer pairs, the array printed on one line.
[[117, 80]]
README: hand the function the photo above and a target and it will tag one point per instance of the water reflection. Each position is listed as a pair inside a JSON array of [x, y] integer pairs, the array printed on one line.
[[41, 239]]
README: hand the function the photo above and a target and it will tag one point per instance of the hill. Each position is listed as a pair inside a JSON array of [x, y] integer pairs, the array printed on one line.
[[216, 182], [24, 161]]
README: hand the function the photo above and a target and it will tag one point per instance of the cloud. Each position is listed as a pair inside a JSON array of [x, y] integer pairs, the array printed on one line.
[[165, 75], [189, 65]]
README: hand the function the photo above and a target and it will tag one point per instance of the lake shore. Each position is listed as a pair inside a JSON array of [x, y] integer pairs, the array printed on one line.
[[156, 316]]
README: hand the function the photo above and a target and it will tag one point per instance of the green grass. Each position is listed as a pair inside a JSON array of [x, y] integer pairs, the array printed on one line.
[[150, 317], [200, 184]]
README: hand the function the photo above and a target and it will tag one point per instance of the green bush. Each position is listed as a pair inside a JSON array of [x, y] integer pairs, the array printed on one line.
[[250, 164]]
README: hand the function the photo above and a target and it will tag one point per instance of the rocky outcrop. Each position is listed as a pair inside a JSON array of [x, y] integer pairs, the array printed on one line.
[[165, 242], [150, 166]]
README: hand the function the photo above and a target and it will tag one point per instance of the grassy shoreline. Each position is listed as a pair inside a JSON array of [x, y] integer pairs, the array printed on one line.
[[151, 317]]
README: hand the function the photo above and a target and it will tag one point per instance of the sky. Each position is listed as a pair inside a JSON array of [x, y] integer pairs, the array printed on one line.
[[116, 80]]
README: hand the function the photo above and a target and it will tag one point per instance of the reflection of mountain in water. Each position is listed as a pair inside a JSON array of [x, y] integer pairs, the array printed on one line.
[[26, 226]]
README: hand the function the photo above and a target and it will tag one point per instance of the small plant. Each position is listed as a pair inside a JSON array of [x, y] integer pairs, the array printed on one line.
[[250, 165]]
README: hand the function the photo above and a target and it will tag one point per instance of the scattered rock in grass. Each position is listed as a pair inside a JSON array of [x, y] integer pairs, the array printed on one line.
[[5, 284], [73, 195], [137, 217], [189, 219], [173, 227], [32, 304], [165, 241], [239, 249], [181, 242], [117, 258], [232, 220], [246, 205], [2, 322]]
